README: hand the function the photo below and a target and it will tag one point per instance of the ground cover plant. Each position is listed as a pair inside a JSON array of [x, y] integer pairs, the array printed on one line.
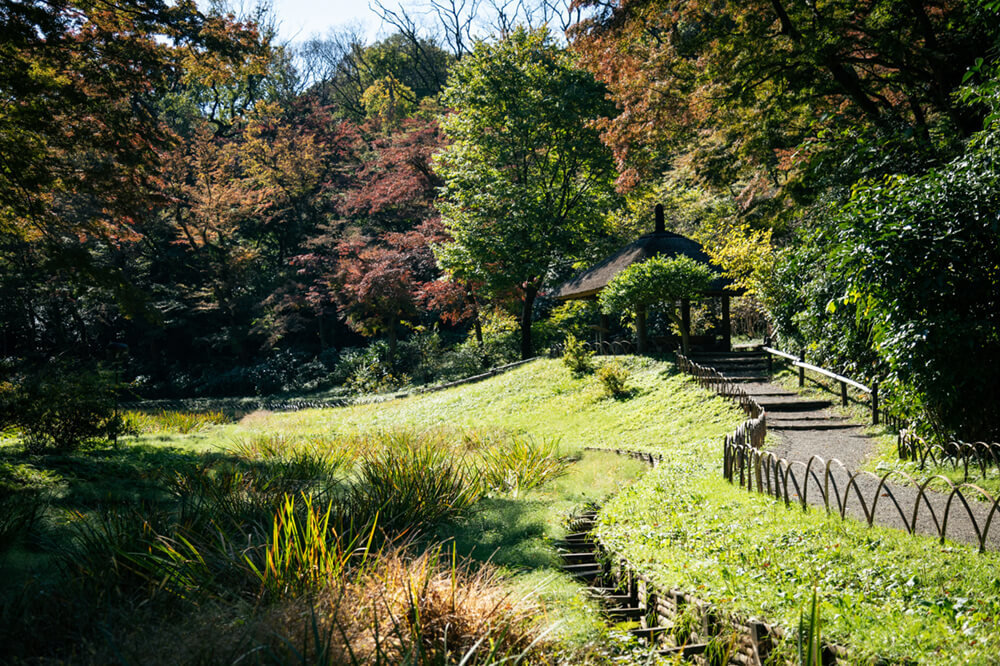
[[271, 520], [880, 592]]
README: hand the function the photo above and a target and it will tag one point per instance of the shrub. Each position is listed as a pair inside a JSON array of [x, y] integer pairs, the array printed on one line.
[[172, 421], [517, 464], [19, 511], [614, 377], [577, 357], [281, 371], [368, 369], [411, 484], [60, 408], [501, 338]]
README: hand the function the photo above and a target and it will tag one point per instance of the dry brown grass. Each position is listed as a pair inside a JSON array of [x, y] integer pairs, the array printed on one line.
[[398, 608]]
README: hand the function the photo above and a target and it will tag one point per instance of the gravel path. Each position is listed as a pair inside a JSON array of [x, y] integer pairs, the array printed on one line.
[[807, 428]]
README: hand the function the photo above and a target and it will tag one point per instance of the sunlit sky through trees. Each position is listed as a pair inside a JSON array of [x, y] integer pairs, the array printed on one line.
[[298, 20]]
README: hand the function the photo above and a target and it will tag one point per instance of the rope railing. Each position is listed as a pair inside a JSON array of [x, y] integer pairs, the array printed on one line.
[[791, 480], [957, 455], [880, 414]]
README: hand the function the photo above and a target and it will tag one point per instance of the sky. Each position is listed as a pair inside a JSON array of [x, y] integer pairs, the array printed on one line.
[[301, 19]]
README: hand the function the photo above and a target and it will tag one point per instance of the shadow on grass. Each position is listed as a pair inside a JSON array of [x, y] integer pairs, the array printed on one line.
[[81, 480], [506, 532]]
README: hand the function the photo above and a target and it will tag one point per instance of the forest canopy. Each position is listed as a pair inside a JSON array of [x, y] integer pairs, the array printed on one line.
[[251, 217]]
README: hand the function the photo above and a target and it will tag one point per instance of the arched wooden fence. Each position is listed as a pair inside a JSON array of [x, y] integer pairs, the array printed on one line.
[[958, 455], [838, 488]]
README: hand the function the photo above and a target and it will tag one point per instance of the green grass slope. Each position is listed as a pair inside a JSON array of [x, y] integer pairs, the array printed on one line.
[[543, 399]]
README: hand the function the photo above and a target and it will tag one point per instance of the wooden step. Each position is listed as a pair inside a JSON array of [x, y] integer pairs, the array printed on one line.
[[796, 406], [650, 633], [684, 651]]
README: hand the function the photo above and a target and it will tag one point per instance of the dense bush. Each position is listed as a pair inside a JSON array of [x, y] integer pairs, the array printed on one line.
[[614, 378], [501, 339], [577, 357], [59, 407], [279, 372], [368, 369], [921, 256]]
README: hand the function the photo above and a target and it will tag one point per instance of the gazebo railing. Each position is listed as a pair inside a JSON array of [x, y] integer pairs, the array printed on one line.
[[603, 348]]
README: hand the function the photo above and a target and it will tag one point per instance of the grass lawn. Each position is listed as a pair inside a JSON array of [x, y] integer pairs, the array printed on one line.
[[542, 399]]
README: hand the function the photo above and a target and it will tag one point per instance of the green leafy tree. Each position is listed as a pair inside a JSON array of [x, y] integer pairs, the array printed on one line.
[[922, 260], [660, 280], [527, 181]]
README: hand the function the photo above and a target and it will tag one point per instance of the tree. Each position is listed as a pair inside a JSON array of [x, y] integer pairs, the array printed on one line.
[[654, 281], [382, 282], [527, 180], [771, 96]]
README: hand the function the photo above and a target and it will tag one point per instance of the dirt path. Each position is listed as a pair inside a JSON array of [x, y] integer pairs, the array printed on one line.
[[805, 428]]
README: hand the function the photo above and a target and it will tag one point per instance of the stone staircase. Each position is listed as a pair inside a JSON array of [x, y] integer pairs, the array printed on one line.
[[741, 366], [785, 409]]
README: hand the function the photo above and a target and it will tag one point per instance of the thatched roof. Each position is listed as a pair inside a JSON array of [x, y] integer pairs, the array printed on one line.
[[659, 243]]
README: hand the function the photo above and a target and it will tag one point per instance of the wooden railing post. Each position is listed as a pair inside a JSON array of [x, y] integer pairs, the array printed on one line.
[[802, 371], [843, 394], [875, 402]]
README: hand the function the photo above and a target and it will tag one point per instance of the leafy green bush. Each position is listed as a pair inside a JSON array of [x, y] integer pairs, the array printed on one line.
[[920, 256], [577, 357], [281, 371], [614, 377], [368, 369], [501, 338], [411, 485], [172, 421], [517, 464], [60, 408]]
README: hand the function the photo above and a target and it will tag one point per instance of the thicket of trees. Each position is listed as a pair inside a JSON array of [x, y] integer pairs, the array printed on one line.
[[240, 212]]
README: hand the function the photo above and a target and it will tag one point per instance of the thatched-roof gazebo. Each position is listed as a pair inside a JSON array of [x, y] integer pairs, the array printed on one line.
[[661, 242]]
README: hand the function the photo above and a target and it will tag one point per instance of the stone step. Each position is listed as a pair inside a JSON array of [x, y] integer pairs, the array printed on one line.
[[609, 599], [749, 379], [731, 360], [810, 426], [579, 558], [589, 574], [694, 356], [650, 633], [795, 406]]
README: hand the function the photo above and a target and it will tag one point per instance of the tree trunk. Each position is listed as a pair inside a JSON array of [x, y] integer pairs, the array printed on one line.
[[477, 324], [530, 291], [685, 333], [392, 339], [640, 329], [322, 333]]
